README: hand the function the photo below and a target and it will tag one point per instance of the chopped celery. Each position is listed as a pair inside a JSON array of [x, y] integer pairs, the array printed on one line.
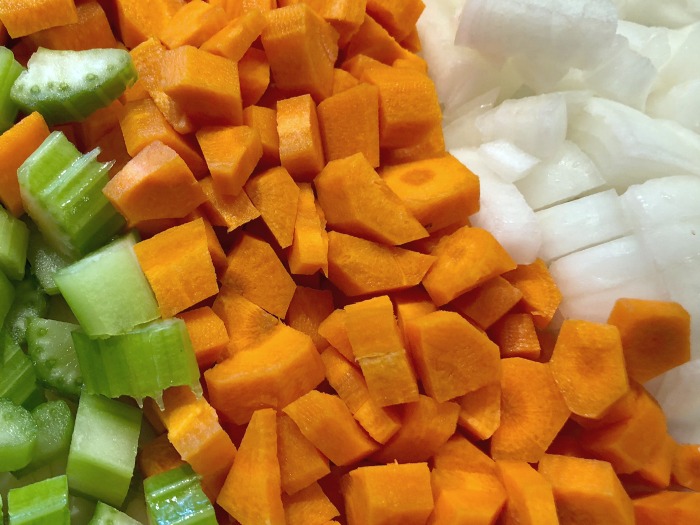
[[17, 375], [10, 69], [62, 192], [176, 497], [30, 301], [81, 510], [67, 86], [103, 448], [107, 290], [7, 295], [44, 502], [140, 363], [106, 515], [18, 435], [45, 260], [14, 238], [51, 349]]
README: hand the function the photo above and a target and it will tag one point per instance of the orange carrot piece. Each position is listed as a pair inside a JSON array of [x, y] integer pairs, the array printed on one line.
[[264, 121], [306, 311], [158, 455], [359, 267], [262, 376], [236, 37], [411, 304], [251, 493], [98, 124], [657, 470], [346, 17], [530, 498], [393, 493], [333, 330], [254, 74], [301, 149], [91, 31], [373, 40], [586, 491], [533, 411], [309, 506], [355, 200], [480, 411], [138, 20], [439, 192], [16, 145], [458, 453], [412, 41], [193, 24], [207, 333], [516, 336], [465, 259], [147, 58], [349, 123], [342, 81], [228, 211], [297, 31], [381, 423], [667, 508], [206, 99], [426, 425], [589, 367], [399, 17], [621, 410], [464, 498], [488, 302], [431, 147], [231, 154], [155, 184], [24, 18], [301, 464], [258, 275], [541, 296], [452, 357], [246, 323], [309, 250], [218, 257], [686, 466], [358, 64], [142, 123], [326, 421], [377, 347], [655, 336]]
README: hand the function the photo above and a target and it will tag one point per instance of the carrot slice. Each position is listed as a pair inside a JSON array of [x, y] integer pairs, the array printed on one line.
[[516, 336], [686, 466], [309, 307], [301, 464], [488, 302], [667, 507], [373, 40], [264, 121], [462, 498], [480, 411], [301, 149], [541, 296], [431, 147], [138, 20], [342, 80], [309, 251], [411, 304], [398, 16], [225, 210], [254, 74], [530, 498], [310, 505], [192, 24], [24, 18], [235, 38], [333, 330], [458, 453], [158, 455], [657, 470], [207, 333]]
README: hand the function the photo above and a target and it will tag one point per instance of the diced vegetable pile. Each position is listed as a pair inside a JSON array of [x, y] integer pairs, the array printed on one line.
[[243, 280]]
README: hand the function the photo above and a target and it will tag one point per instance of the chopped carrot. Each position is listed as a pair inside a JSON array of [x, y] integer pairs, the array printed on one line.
[[541, 296], [465, 259], [374, 41], [207, 99], [91, 31], [458, 453], [155, 184], [667, 508], [252, 493], [327, 422], [158, 455], [309, 307], [139, 21], [657, 470], [236, 37], [516, 336], [264, 121], [686, 466], [275, 195], [98, 124], [488, 302], [254, 74], [345, 16], [412, 41], [225, 210], [655, 336], [193, 24], [462, 498], [349, 123], [358, 64], [439, 192], [377, 347], [431, 147], [207, 333], [393, 493], [16, 145], [533, 411], [301, 464], [302, 49], [355, 200], [262, 376], [308, 506], [309, 250], [411, 304], [480, 411], [359, 267], [147, 58], [333, 330], [301, 149], [24, 18], [530, 498], [342, 80], [399, 17]]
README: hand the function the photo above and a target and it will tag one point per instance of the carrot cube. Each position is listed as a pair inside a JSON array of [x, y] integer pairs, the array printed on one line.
[[541, 296], [480, 411], [667, 508], [309, 250], [24, 18], [158, 455], [464, 498], [411, 304], [306, 311], [264, 121], [373, 40], [139, 21], [333, 330], [399, 17], [192, 24], [226, 210], [458, 453], [516, 336], [301, 464], [301, 149], [530, 497], [686, 466], [234, 39], [254, 73], [488, 302], [310, 505], [207, 333], [342, 81]]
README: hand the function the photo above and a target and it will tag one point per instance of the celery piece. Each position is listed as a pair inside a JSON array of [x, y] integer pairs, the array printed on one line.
[[14, 238], [51, 349], [140, 363], [44, 502], [103, 448], [45, 260], [17, 375], [81, 510], [107, 290], [106, 515], [7, 295], [10, 69], [30, 301], [68, 86], [176, 497], [18, 435], [62, 193]]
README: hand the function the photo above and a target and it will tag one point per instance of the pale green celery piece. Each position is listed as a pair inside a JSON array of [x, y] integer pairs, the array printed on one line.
[[81, 510], [50, 347], [14, 238], [30, 301], [103, 448], [7, 296], [44, 502], [45, 260], [175, 497], [17, 376], [106, 515], [10, 69], [107, 290], [18, 435], [68, 86]]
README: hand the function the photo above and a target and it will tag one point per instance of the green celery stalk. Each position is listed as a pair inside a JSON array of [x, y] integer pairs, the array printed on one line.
[[175, 497], [50, 347], [14, 238], [18, 435], [44, 502], [45, 260], [10, 69], [106, 515], [7, 295], [17, 376], [30, 301]]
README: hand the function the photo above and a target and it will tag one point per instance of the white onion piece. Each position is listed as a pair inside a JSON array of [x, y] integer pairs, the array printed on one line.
[[673, 243], [535, 124], [462, 131], [680, 103], [630, 147], [566, 175], [582, 223], [683, 282], [669, 13], [685, 60], [507, 160], [650, 42], [662, 201]]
